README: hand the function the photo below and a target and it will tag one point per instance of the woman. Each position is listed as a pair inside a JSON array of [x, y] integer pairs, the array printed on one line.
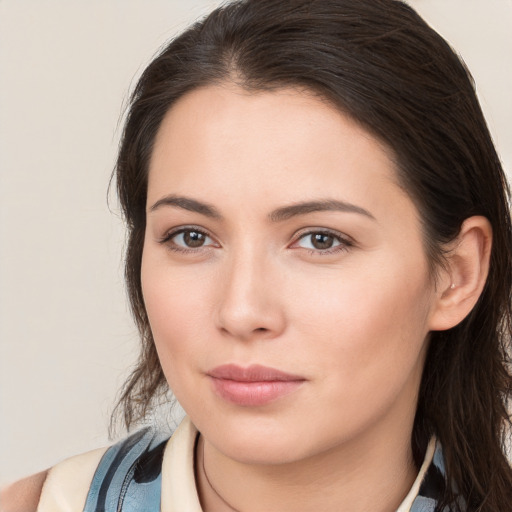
[[319, 266]]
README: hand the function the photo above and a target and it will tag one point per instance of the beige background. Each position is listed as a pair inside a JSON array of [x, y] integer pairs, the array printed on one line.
[[66, 339]]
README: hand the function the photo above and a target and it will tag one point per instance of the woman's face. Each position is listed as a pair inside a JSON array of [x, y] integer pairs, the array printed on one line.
[[284, 276]]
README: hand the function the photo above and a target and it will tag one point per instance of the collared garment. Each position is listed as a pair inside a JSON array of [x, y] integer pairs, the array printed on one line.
[[128, 476]]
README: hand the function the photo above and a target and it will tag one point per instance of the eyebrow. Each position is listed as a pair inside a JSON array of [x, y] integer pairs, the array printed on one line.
[[187, 203], [320, 205], [278, 215]]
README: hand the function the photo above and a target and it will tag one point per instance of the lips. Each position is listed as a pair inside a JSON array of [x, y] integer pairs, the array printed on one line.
[[254, 385]]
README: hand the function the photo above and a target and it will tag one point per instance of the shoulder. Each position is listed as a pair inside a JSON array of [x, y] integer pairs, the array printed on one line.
[[23, 495], [67, 483], [62, 487], [100, 479], [130, 469]]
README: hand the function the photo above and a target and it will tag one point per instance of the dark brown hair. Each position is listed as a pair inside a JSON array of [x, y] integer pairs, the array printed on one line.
[[381, 64]]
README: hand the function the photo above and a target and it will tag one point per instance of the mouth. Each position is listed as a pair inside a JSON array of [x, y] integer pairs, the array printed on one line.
[[254, 385]]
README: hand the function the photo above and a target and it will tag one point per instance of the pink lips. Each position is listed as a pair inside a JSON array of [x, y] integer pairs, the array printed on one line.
[[252, 386]]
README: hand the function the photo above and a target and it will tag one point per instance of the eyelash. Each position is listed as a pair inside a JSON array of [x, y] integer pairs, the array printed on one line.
[[344, 242], [171, 234]]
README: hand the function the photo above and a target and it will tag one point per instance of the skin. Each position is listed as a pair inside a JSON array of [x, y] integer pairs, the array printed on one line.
[[23, 495], [353, 323]]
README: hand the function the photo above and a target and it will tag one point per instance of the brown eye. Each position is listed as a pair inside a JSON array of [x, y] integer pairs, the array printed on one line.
[[322, 240], [193, 239], [184, 240]]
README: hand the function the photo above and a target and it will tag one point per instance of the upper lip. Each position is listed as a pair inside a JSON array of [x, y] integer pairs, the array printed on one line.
[[253, 373]]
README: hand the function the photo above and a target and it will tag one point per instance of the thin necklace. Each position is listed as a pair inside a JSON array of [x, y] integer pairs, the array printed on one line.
[[213, 488]]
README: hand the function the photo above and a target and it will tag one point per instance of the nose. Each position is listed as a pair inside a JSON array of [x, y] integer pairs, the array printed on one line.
[[250, 304]]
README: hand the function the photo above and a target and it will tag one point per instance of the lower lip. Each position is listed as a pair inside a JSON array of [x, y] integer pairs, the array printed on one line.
[[252, 394]]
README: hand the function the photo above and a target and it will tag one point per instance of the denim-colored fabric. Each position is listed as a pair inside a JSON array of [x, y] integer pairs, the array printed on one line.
[[129, 476]]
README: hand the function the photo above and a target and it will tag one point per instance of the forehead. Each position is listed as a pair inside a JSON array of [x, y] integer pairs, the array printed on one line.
[[235, 148], [211, 106]]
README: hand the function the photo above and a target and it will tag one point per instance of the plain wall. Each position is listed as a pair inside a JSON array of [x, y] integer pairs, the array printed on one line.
[[66, 337]]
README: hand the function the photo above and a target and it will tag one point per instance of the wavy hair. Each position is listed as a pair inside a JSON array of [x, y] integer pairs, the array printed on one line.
[[380, 63]]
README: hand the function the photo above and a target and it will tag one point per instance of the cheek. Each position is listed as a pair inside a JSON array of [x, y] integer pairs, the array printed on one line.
[[176, 304], [177, 323], [369, 326]]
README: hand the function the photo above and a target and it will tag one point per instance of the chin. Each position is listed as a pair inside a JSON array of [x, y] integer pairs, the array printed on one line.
[[261, 450], [249, 439]]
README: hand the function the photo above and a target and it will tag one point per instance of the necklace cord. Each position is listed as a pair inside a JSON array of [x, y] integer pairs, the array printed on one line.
[[211, 486]]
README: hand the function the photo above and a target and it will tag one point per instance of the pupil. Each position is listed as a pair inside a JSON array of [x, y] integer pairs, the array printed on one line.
[[194, 239], [322, 241]]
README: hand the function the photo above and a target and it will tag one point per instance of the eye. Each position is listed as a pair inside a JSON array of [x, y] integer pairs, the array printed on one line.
[[186, 239], [324, 242]]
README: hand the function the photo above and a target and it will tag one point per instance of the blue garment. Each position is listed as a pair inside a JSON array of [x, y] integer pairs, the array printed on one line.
[[129, 477], [433, 485]]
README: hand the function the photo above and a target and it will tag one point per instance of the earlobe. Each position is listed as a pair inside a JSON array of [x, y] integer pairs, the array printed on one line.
[[463, 280]]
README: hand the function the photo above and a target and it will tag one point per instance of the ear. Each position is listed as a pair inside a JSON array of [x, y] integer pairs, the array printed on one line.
[[460, 284]]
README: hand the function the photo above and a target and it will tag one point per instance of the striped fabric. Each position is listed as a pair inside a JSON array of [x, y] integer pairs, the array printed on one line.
[[129, 477]]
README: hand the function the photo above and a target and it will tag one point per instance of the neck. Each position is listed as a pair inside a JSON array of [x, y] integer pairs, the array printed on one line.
[[332, 481]]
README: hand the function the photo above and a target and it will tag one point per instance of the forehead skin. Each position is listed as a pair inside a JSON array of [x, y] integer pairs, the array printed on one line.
[[209, 124]]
